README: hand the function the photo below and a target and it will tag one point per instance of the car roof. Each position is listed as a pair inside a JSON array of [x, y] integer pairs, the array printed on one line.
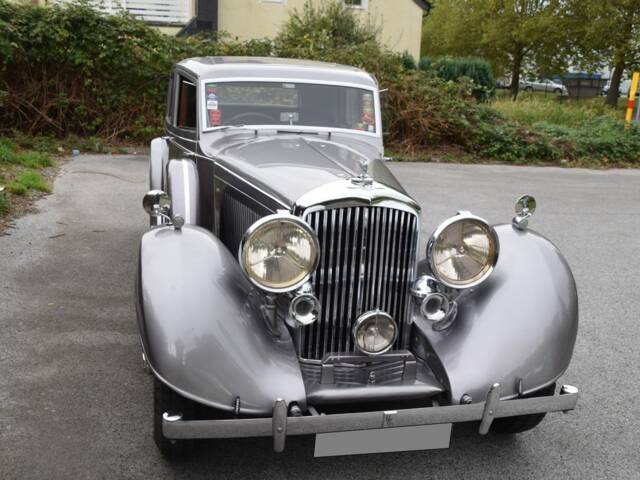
[[221, 68]]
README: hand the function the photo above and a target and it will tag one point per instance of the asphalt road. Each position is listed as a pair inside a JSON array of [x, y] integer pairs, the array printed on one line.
[[75, 403]]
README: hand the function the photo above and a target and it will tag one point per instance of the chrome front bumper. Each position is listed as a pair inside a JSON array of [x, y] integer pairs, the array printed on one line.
[[280, 425]]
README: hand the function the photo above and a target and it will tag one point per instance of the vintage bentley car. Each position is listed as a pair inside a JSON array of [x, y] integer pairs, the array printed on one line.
[[281, 289]]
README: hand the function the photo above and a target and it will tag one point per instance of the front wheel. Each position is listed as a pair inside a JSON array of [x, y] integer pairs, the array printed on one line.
[[166, 400], [522, 423]]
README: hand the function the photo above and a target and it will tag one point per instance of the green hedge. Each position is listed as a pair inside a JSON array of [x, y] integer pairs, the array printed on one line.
[[454, 68]]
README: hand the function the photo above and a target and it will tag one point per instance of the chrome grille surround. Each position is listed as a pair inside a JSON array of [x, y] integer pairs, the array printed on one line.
[[368, 256]]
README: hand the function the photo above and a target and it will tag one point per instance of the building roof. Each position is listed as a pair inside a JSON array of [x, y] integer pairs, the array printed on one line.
[[272, 67]]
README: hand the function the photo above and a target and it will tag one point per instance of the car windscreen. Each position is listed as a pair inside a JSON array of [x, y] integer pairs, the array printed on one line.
[[291, 104]]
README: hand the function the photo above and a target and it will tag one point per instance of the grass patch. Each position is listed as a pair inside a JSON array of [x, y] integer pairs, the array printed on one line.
[[11, 154], [21, 175], [29, 180], [5, 204], [530, 110]]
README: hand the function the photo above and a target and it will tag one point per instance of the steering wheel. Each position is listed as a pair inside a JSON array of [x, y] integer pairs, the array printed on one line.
[[240, 118]]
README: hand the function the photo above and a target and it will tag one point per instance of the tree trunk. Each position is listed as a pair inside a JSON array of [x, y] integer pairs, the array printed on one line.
[[515, 74], [614, 85]]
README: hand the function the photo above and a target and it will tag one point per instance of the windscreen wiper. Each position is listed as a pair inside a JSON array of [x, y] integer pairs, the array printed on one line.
[[298, 132], [227, 127]]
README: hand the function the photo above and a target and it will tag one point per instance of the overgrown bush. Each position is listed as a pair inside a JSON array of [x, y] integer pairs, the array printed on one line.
[[602, 138], [325, 27], [72, 70], [425, 64]]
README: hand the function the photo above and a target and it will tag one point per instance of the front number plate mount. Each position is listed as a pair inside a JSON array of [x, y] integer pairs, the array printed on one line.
[[398, 439]]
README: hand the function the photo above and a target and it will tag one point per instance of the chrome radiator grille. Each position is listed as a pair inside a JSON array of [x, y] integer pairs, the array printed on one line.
[[367, 259]]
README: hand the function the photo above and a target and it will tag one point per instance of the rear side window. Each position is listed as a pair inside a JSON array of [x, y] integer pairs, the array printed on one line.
[[186, 115], [170, 97]]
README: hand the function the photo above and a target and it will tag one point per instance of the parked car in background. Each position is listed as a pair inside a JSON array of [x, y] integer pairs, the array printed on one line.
[[503, 83], [543, 85], [625, 87], [281, 290]]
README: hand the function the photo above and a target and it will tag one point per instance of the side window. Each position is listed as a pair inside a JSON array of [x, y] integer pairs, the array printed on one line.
[[186, 115], [169, 112]]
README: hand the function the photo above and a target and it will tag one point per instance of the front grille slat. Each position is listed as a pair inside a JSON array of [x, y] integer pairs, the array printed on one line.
[[367, 259]]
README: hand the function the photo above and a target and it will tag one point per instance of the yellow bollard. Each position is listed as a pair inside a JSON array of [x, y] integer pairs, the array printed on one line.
[[632, 98]]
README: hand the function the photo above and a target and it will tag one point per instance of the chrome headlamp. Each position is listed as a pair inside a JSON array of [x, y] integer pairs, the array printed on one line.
[[463, 251], [279, 252]]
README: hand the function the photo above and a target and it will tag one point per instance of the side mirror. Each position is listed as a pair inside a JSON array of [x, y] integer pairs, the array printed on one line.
[[158, 205], [156, 202], [525, 207], [526, 204]]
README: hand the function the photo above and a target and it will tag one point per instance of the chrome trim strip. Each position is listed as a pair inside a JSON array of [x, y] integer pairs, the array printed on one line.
[[217, 163], [353, 270], [345, 223], [362, 267], [324, 285], [227, 169], [245, 194], [187, 193]]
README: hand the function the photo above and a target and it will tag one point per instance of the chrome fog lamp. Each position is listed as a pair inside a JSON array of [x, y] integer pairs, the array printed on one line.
[[279, 252], [375, 332], [463, 251], [304, 307], [435, 307]]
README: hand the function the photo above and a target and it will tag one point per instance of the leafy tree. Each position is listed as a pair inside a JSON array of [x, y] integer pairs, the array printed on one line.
[[511, 34], [605, 33]]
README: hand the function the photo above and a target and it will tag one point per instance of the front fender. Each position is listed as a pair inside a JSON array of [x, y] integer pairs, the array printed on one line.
[[202, 329], [519, 326]]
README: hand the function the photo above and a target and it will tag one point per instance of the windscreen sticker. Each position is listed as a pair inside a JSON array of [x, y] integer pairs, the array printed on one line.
[[288, 85], [367, 117], [215, 118], [212, 97]]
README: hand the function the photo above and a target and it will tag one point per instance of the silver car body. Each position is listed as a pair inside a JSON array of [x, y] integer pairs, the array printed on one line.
[[543, 85], [202, 323]]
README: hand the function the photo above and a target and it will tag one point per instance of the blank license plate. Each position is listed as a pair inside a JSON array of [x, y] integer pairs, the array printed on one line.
[[398, 439]]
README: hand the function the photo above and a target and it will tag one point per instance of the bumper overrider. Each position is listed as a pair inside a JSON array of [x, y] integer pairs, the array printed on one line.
[[280, 425]]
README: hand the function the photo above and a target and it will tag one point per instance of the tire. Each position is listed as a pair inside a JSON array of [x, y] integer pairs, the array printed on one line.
[[558, 91], [522, 423], [166, 400], [528, 89]]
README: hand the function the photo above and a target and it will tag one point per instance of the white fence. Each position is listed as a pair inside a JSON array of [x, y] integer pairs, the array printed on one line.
[[156, 11]]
